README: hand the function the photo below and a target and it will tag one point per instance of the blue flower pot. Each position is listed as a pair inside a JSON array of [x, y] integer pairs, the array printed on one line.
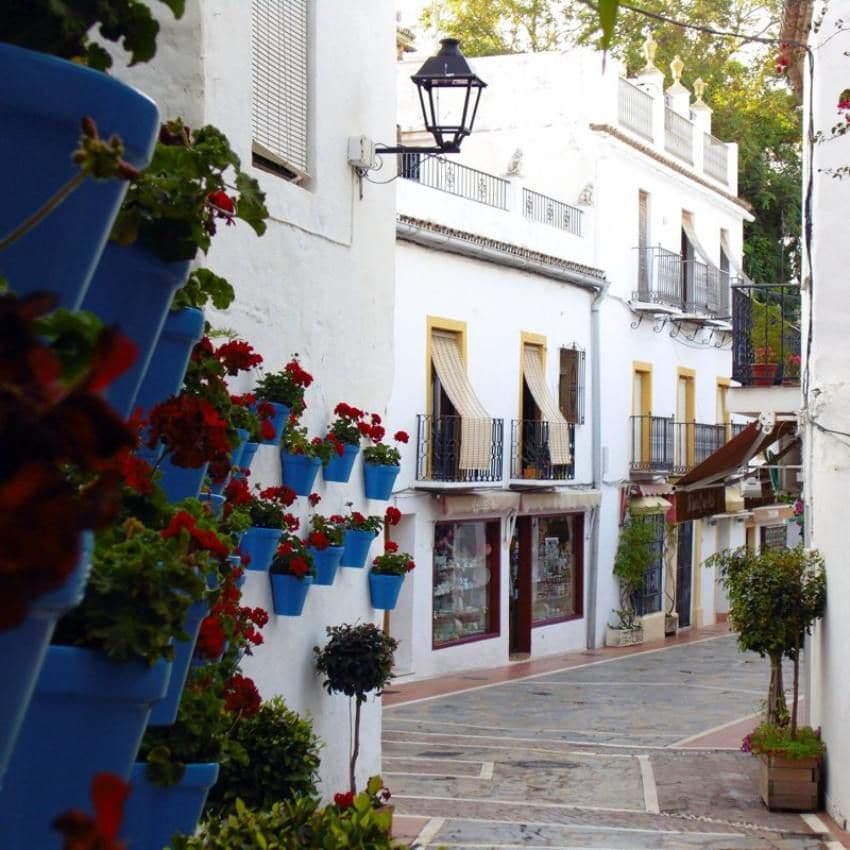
[[259, 544], [132, 288], [384, 590], [278, 420], [248, 455], [326, 562], [42, 99], [355, 548], [235, 461], [339, 468], [299, 472], [289, 594], [379, 480], [167, 366], [23, 649], [181, 482], [164, 712], [154, 814], [87, 716]]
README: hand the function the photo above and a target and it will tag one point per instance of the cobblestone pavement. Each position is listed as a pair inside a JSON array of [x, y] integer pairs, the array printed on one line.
[[605, 755]]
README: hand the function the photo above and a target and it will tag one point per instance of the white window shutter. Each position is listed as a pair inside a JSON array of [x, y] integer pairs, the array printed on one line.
[[279, 78]]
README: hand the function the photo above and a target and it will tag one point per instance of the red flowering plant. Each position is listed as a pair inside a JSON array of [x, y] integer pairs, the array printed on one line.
[[266, 507], [344, 428], [193, 182], [297, 441], [392, 562], [141, 586], [253, 417], [286, 387], [326, 531], [58, 476], [292, 558], [215, 697], [355, 521], [380, 452]]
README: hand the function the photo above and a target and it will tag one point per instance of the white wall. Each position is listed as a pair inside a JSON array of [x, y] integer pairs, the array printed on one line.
[[827, 398], [320, 283]]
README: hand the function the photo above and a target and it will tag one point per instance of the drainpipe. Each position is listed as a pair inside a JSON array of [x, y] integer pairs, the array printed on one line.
[[596, 459]]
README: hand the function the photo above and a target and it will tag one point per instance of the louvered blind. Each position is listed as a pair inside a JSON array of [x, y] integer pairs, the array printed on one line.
[[571, 385], [279, 79]]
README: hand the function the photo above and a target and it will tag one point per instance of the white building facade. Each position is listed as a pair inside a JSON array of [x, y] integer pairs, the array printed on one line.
[[826, 392], [288, 83], [563, 338]]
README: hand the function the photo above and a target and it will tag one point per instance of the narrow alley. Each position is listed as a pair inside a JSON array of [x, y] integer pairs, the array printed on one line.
[[598, 751]]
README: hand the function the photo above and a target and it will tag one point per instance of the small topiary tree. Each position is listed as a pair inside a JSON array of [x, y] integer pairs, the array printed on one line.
[[281, 759], [635, 554], [355, 661], [774, 599]]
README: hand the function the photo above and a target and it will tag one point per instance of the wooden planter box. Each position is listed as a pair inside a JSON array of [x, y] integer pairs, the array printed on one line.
[[789, 784], [623, 637]]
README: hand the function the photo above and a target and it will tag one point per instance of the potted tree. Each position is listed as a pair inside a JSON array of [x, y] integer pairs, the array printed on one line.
[[635, 554], [355, 661], [775, 597]]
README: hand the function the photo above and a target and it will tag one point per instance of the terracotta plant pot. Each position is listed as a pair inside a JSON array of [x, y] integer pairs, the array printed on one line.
[[763, 374]]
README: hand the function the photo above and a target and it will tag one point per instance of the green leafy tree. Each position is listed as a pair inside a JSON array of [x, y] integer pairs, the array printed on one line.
[[635, 554], [775, 598]]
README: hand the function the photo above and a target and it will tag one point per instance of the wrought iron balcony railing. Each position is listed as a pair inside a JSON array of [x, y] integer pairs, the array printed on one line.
[[766, 334], [662, 445], [665, 277], [530, 456], [549, 211], [458, 450], [456, 179]]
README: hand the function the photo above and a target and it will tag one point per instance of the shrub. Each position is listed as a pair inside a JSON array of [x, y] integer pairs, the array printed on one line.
[[282, 759]]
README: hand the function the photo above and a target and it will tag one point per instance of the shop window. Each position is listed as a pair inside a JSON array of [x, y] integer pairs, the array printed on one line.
[[466, 581], [555, 568]]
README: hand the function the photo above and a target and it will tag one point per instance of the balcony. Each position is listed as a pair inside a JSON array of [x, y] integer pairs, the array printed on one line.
[[546, 210], [530, 459], [662, 446], [455, 451], [456, 179], [667, 279], [687, 142], [765, 348]]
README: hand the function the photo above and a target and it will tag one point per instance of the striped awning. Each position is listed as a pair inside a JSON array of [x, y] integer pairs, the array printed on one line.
[[475, 423], [559, 429]]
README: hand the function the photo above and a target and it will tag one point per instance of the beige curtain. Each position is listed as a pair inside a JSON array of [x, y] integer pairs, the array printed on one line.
[[690, 232], [475, 423], [736, 270], [559, 429]]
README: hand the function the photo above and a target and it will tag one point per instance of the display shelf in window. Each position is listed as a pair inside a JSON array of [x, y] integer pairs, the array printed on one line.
[[553, 568]]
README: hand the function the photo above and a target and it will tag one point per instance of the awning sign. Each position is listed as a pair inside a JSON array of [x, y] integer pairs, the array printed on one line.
[[696, 504]]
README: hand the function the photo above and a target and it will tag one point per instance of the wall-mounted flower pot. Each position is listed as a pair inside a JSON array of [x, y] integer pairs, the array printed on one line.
[[299, 472], [763, 374], [326, 562], [154, 814], [248, 453], [339, 467], [23, 649], [289, 593], [355, 548], [132, 288], [42, 100], [235, 461], [167, 367], [87, 716], [278, 420], [378, 480], [164, 712], [259, 544], [181, 482], [215, 501], [384, 590]]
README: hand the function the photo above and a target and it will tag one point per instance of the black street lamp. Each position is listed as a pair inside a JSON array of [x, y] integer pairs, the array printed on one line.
[[449, 92]]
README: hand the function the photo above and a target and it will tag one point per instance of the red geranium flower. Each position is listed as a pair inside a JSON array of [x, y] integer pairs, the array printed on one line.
[[241, 695], [238, 356], [392, 516], [314, 499], [318, 540], [299, 567], [401, 436], [391, 546], [344, 800]]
